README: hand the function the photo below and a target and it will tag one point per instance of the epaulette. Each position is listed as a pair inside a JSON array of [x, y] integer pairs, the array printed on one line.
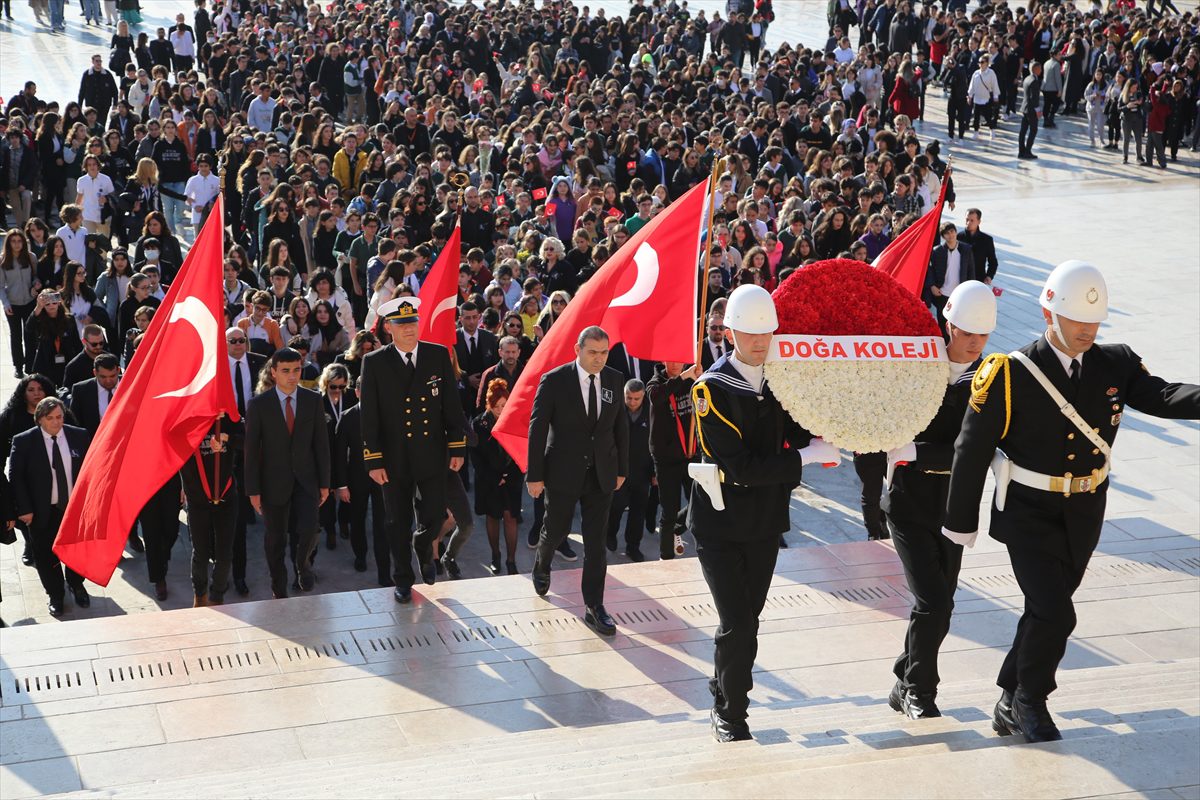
[[981, 383], [702, 403]]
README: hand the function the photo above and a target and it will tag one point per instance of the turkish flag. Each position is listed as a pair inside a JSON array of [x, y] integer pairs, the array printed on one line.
[[439, 294], [907, 258], [176, 385], [645, 295]]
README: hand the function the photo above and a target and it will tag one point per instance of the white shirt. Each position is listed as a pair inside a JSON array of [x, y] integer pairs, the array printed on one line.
[[953, 271], [183, 42], [202, 190], [102, 399], [256, 331], [471, 340], [1063, 358], [247, 377], [585, 387], [65, 451], [75, 242], [92, 190], [716, 348], [956, 372], [409, 357], [753, 375]]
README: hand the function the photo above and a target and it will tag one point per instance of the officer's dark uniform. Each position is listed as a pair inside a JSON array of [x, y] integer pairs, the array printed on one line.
[[350, 471], [914, 505], [755, 444], [410, 419], [671, 425], [1050, 534], [213, 499]]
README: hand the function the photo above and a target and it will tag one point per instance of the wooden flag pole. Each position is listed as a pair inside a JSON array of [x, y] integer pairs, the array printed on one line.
[[708, 240]]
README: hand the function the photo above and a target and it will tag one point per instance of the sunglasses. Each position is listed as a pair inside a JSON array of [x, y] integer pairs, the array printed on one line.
[[336, 387], [236, 341]]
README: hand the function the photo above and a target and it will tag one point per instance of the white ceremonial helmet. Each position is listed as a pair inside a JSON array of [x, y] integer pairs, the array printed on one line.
[[972, 307], [750, 309], [1075, 290]]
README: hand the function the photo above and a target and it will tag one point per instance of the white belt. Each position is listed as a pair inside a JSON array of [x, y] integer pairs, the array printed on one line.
[[1066, 485]]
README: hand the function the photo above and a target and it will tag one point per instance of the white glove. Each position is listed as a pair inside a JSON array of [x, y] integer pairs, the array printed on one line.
[[904, 454], [820, 452], [965, 539]]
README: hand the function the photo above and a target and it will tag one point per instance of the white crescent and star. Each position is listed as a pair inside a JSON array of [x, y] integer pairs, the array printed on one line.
[[646, 261], [196, 313], [446, 305]]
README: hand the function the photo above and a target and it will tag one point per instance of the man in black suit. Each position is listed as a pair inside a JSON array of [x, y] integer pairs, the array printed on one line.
[[244, 369], [951, 263], [476, 349], [983, 247], [630, 367], [715, 345], [579, 454], [42, 469], [287, 467], [634, 494], [80, 368], [754, 143], [412, 428], [90, 399]]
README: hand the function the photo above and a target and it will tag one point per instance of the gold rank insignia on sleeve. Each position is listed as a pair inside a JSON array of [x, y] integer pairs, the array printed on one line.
[[369, 456], [981, 384]]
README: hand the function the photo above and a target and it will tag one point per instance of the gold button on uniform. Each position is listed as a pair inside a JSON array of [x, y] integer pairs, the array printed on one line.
[[1095, 451], [1071, 457], [1070, 436]]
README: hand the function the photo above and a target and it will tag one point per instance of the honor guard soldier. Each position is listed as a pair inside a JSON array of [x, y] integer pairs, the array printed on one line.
[[412, 421], [919, 478], [1053, 409], [751, 461]]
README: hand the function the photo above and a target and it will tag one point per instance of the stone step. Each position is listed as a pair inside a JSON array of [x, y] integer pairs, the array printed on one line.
[[874, 731]]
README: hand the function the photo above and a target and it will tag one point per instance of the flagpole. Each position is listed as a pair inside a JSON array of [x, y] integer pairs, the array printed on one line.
[[712, 207]]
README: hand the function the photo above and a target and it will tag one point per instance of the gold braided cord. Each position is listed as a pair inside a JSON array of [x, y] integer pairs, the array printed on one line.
[[992, 366]]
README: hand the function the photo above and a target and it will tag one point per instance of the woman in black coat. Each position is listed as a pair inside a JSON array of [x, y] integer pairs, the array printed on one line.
[[51, 337], [498, 480], [50, 156]]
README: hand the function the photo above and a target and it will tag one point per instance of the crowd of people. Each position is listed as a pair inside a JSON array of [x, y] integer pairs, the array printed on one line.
[[349, 138]]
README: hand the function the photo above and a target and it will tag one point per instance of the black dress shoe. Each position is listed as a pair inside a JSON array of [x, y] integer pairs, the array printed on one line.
[[1033, 719], [135, 544], [451, 567], [428, 572], [402, 595], [160, 590], [495, 565], [307, 581], [81, 597], [240, 585], [27, 558], [360, 564], [725, 731], [511, 568], [611, 543], [56, 608], [541, 584], [566, 552], [634, 555], [598, 620], [1002, 718]]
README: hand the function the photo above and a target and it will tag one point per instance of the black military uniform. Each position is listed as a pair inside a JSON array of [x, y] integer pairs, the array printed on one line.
[[411, 417], [350, 472], [671, 445], [914, 504], [634, 493], [745, 431], [1050, 534], [212, 498]]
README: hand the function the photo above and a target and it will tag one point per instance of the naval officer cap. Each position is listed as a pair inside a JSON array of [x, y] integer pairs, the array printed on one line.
[[400, 310]]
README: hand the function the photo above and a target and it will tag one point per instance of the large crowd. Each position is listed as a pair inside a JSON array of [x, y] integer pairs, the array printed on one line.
[[349, 138]]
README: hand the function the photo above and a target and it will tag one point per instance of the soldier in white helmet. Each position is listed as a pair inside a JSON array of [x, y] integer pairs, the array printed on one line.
[[1053, 409], [919, 478], [741, 507]]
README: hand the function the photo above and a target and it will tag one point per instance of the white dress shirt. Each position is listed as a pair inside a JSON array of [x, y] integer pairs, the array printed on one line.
[[953, 271], [102, 399], [1063, 358], [65, 451], [247, 377], [716, 348], [408, 357]]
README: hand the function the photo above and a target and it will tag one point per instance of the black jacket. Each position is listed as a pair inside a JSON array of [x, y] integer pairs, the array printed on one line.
[[745, 435], [918, 490], [29, 470], [983, 249], [412, 420], [670, 401], [349, 469], [562, 443], [98, 90], [486, 353], [618, 359], [27, 172], [277, 461], [641, 467], [936, 276], [1039, 437], [85, 404]]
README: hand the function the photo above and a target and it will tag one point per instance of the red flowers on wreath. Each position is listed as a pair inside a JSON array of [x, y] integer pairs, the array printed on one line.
[[840, 297]]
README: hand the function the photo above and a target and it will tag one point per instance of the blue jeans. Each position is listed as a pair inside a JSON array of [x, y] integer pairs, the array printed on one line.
[[56, 14], [92, 10], [174, 210]]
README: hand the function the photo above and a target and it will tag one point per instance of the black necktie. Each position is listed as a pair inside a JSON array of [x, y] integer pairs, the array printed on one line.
[[238, 384], [408, 360], [1074, 373], [60, 474], [720, 349], [593, 409], [470, 346]]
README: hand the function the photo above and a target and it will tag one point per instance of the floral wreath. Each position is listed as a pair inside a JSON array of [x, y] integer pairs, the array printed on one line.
[[886, 386]]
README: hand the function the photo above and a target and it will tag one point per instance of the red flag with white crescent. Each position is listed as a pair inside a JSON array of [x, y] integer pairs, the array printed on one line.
[[907, 257], [176, 385], [439, 294], [643, 296]]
